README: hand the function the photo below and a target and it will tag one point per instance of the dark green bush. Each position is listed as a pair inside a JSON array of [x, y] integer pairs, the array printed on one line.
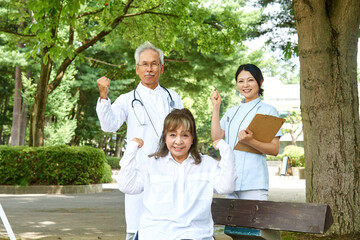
[[107, 175], [113, 162], [53, 165]]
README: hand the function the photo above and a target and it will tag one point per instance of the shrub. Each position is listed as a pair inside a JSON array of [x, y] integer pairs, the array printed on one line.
[[113, 162], [273, 158], [52, 165], [107, 174], [296, 155]]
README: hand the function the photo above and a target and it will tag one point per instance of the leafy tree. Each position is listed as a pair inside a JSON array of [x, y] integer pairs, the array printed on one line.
[[59, 127], [13, 53], [9, 58], [63, 30], [116, 61], [328, 33], [278, 24], [293, 126], [6, 91]]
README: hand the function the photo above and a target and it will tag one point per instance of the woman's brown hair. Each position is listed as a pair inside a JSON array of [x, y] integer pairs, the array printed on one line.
[[174, 120]]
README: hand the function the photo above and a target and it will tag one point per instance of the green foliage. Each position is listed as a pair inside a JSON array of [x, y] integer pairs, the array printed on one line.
[[199, 37], [54, 165], [6, 102], [293, 125], [296, 155], [309, 236], [274, 158], [118, 64], [107, 174], [113, 162], [215, 27], [278, 24], [61, 126]]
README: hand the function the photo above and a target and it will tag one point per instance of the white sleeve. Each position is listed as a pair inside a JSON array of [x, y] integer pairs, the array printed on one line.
[[130, 178], [225, 176], [111, 117]]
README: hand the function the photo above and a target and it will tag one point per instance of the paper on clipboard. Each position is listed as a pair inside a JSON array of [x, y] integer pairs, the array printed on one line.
[[264, 128]]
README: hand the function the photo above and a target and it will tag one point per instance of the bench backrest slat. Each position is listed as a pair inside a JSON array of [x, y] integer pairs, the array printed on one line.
[[296, 217]]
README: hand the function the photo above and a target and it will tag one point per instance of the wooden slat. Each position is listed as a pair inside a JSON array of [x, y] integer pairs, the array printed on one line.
[[283, 216]]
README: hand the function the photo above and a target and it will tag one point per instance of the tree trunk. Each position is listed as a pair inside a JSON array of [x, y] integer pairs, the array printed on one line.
[[328, 34], [16, 122], [15, 129], [293, 138], [4, 138], [36, 138], [24, 117], [44, 88], [76, 138], [23, 123], [101, 143], [118, 145]]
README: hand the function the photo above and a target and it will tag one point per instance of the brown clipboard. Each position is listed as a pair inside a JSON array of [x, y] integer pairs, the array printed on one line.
[[264, 128]]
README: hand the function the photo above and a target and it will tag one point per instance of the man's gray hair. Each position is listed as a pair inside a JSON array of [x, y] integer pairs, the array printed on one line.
[[147, 45]]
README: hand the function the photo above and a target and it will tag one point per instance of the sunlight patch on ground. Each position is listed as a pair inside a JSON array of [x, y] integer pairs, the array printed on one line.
[[33, 235], [47, 223]]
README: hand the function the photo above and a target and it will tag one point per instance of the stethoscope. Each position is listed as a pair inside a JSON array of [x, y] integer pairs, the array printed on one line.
[[141, 119]]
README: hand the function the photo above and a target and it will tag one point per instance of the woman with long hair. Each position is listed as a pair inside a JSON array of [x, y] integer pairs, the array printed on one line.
[[177, 181]]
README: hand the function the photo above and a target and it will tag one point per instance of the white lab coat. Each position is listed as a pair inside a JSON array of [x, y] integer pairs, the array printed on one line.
[[251, 168], [157, 105]]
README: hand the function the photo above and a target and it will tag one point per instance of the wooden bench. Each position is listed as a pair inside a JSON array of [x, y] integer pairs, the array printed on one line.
[[254, 215]]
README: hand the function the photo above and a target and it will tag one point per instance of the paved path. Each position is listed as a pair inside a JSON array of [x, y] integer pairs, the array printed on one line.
[[96, 216], [70, 216]]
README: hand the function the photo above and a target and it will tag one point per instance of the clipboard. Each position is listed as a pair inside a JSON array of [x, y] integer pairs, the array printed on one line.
[[264, 128]]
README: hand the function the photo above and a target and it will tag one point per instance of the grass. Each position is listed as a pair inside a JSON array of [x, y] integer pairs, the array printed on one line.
[[306, 236]]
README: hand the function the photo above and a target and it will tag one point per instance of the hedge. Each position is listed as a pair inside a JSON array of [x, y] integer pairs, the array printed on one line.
[[52, 165], [113, 162], [295, 153]]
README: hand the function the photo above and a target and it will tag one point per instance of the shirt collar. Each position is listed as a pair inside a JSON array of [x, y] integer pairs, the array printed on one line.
[[189, 159], [141, 88], [253, 102]]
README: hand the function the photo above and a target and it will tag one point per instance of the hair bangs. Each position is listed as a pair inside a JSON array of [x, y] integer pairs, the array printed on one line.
[[178, 121]]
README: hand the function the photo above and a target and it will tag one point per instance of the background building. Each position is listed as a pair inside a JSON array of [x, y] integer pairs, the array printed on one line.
[[286, 99]]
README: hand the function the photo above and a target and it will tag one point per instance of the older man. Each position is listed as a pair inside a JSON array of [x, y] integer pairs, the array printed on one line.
[[144, 110]]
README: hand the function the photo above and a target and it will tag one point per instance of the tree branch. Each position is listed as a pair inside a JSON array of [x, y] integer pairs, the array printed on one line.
[[109, 64], [67, 61], [174, 60], [16, 33], [55, 30], [71, 35], [90, 13], [150, 12]]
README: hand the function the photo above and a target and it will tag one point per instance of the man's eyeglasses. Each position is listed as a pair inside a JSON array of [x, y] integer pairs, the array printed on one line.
[[151, 65]]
